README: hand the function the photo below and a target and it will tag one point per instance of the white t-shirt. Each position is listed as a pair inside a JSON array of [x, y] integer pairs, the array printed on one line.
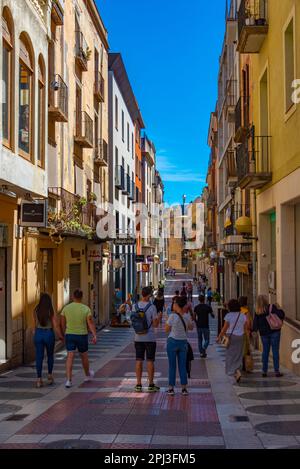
[[178, 331], [239, 328]]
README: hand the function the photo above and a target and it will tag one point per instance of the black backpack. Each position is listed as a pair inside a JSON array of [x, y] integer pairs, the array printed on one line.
[[139, 319]]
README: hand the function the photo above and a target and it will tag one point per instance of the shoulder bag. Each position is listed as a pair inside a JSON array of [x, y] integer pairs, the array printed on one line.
[[227, 338]]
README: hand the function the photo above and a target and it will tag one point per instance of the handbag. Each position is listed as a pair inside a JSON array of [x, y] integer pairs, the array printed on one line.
[[226, 339], [190, 353], [249, 363], [274, 321]]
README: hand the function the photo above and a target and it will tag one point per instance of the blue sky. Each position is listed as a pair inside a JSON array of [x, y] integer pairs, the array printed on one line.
[[171, 51]]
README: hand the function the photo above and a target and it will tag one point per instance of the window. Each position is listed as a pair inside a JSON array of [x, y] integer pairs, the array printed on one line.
[[297, 259], [123, 130], [132, 145], [26, 80], [7, 78], [128, 141], [116, 113], [289, 64], [41, 114]]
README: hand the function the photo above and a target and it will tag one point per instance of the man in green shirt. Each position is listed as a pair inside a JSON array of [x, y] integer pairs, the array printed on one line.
[[76, 321]]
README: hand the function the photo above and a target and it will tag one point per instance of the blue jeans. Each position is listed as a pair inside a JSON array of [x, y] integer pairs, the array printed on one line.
[[268, 341], [44, 338], [203, 335], [177, 349]]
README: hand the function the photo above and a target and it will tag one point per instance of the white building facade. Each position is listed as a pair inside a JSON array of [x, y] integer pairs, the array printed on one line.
[[122, 109]]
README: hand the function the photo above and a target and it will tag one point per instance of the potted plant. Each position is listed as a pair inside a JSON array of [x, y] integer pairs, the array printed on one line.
[[92, 197]]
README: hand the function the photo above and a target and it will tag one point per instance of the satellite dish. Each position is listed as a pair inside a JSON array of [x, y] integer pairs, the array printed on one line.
[[117, 264]]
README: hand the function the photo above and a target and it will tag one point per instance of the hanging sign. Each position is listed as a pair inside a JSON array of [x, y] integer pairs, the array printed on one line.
[[94, 252]]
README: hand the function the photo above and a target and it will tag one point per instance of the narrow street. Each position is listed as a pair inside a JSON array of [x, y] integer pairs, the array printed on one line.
[[106, 413]]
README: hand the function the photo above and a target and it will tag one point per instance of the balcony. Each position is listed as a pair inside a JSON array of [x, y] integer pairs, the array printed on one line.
[[127, 186], [131, 195], [58, 100], [99, 86], [230, 100], [88, 215], [231, 23], [252, 26], [231, 169], [83, 52], [253, 165], [241, 119], [120, 178], [211, 201], [84, 130], [101, 153], [57, 14]]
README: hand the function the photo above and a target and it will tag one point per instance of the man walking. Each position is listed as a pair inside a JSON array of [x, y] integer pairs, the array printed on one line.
[[144, 318], [201, 317], [76, 320]]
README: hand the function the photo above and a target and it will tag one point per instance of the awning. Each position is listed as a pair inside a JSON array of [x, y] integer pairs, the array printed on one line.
[[242, 267]]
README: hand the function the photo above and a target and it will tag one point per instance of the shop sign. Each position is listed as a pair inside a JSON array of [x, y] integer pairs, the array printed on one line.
[[34, 214], [124, 242], [139, 258], [94, 253], [145, 267]]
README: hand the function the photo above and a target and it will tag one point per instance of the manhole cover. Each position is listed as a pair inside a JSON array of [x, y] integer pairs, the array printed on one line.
[[7, 408], [19, 396], [109, 400], [18, 384], [270, 395], [239, 418], [16, 417], [281, 409], [251, 383], [289, 427], [73, 444]]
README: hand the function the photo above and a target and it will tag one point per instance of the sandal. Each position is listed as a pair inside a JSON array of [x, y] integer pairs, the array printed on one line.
[[39, 383], [50, 380]]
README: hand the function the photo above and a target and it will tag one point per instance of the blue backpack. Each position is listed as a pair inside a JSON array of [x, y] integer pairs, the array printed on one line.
[[139, 319]]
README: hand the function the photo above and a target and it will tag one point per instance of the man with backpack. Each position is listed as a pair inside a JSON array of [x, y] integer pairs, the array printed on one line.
[[144, 318], [201, 317]]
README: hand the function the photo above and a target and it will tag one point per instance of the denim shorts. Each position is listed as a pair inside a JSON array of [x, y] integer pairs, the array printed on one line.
[[77, 342]]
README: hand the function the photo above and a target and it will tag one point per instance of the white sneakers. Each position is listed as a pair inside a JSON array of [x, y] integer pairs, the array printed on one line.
[[91, 376], [68, 383]]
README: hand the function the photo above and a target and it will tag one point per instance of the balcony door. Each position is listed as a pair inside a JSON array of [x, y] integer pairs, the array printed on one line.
[[78, 110]]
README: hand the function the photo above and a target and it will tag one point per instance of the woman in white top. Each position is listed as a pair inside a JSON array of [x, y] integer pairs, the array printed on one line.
[[236, 325], [178, 324]]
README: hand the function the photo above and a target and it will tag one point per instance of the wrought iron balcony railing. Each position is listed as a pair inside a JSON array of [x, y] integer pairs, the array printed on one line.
[[252, 25], [58, 99], [120, 178], [101, 152], [254, 163], [84, 130], [99, 87], [82, 51]]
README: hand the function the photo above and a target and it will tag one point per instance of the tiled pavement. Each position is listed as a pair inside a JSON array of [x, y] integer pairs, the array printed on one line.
[[106, 413]]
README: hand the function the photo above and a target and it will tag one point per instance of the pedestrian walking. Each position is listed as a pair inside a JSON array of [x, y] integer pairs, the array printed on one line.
[[177, 325], [233, 330], [45, 324], [159, 303], [177, 294], [268, 321], [144, 318], [189, 290], [183, 290], [209, 296], [201, 318], [247, 358], [76, 321]]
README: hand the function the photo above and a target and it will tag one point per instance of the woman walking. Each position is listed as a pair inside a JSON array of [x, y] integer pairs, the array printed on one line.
[[45, 323], [270, 336], [177, 325], [236, 325]]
